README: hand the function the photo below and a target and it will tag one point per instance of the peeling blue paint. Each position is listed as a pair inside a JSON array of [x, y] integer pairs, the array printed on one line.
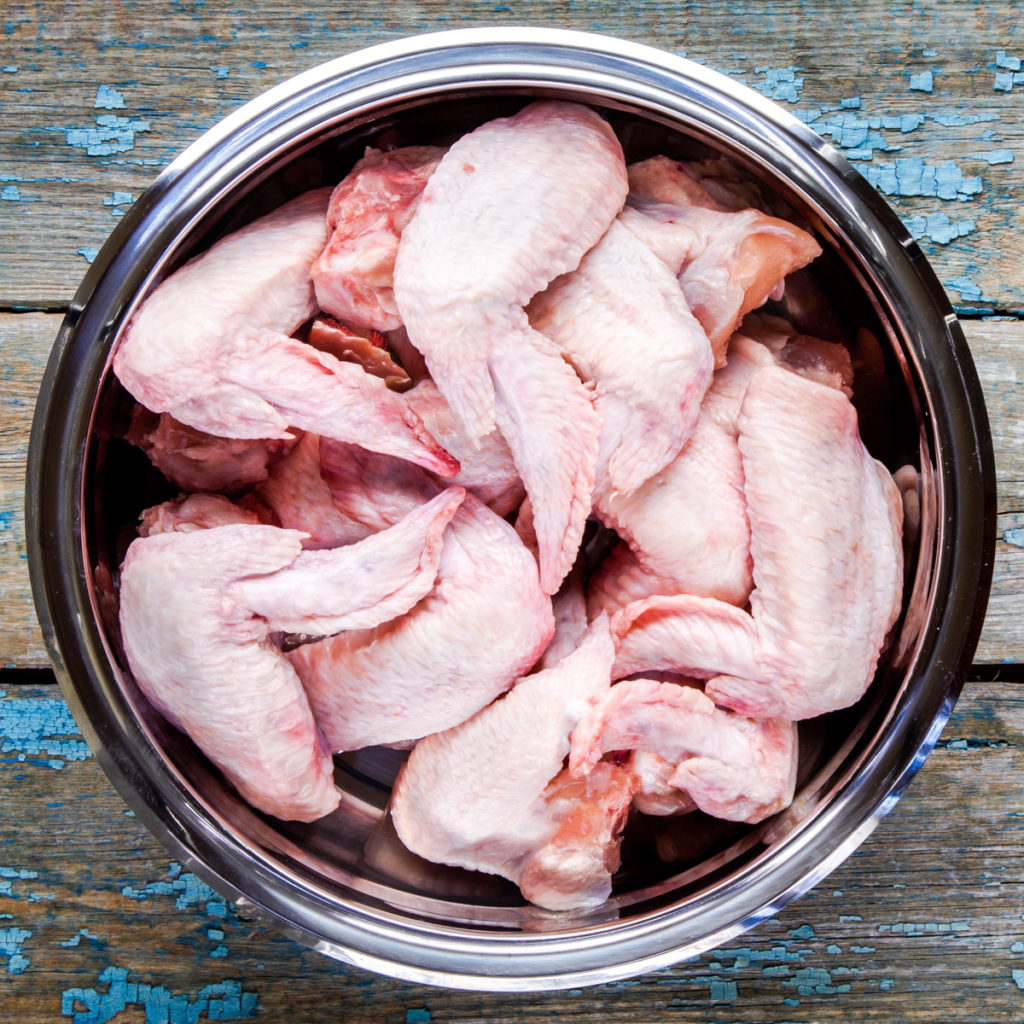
[[88, 253], [8, 876], [996, 156], [1011, 73], [223, 1000], [911, 176], [956, 119], [41, 729], [1015, 537], [815, 981], [419, 1016], [938, 227], [117, 199], [112, 134], [187, 890], [1018, 978], [805, 931], [220, 71], [11, 193], [10, 69], [108, 98], [82, 933], [780, 83], [923, 82], [11, 942], [926, 928]]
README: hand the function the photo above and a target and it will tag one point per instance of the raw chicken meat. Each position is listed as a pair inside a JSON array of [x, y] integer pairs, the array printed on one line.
[[299, 499], [372, 581], [621, 319], [193, 512], [196, 461], [732, 767], [460, 799], [486, 468], [198, 605], [824, 598], [210, 346], [368, 212], [655, 794], [687, 526], [205, 662], [372, 352], [512, 206], [731, 261], [484, 624]]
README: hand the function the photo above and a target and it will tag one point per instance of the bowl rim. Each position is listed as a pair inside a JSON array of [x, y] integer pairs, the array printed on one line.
[[355, 85]]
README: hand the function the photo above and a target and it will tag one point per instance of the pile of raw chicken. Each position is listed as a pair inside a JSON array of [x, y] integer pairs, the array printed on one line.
[[396, 412]]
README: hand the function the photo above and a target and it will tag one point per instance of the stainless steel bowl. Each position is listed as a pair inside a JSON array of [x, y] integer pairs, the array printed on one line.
[[345, 886]]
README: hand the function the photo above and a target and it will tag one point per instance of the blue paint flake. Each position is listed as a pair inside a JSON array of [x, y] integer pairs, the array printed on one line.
[[112, 134], [996, 156], [82, 933], [862, 949], [30, 727], [781, 83], [815, 981], [108, 98], [805, 931], [938, 227], [221, 71], [420, 1016], [11, 193], [223, 1000], [117, 199], [723, 991], [833, 949], [923, 82], [927, 928], [187, 890], [911, 176], [11, 942], [8, 876], [9, 69], [88, 253], [1018, 978]]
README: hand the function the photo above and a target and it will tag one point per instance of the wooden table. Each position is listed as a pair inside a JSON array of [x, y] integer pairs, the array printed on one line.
[[925, 922]]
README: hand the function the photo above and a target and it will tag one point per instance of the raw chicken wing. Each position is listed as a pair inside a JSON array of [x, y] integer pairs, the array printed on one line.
[[484, 624], [622, 321], [825, 522], [512, 206], [205, 662], [210, 346], [461, 799], [732, 767]]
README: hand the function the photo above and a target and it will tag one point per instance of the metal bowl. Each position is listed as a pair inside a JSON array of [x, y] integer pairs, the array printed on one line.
[[344, 885]]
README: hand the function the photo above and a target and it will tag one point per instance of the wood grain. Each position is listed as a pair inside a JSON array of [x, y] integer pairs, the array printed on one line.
[[997, 346], [97, 98], [917, 925]]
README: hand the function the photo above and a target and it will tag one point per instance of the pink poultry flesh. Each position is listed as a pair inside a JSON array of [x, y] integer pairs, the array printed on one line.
[[211, 347], [511, 206]]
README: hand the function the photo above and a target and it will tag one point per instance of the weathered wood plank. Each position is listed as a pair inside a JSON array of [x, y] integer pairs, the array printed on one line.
[[25, 339], [97, 99], [923, 923]]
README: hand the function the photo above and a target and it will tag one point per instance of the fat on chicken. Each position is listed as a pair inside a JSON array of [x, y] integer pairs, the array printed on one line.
[[825, 523], [511, 206], [368, 211], [210, 345], [460, 798], [622, 321], [485, 623], [732, 767]]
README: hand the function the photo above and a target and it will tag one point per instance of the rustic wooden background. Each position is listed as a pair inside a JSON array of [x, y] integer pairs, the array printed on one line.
[[925, 922]]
